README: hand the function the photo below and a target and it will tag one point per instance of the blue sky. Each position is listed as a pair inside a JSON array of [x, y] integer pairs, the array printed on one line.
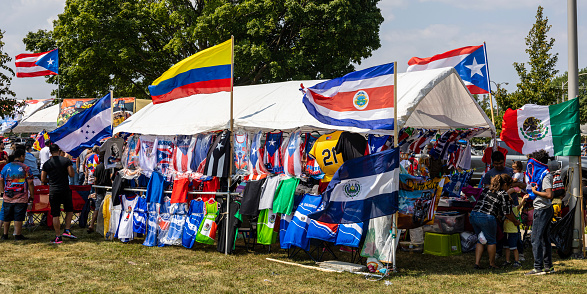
[[419, 28]]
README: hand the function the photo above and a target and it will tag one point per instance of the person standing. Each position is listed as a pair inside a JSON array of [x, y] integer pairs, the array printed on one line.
[[102, 179], [543, 213], [498, 162], [92, 161], [45, 153], [16, 181], [80, 164], [3, 156], [31, 161], [55, 171]]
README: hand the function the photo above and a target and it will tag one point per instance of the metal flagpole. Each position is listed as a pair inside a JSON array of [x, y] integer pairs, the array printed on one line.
[[489, 84], [112, 111], [231, 142], [395, 143]]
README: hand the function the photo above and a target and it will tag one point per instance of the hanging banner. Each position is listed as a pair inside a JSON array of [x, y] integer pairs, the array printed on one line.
[[418, 200], [71, 107], [122, 108]]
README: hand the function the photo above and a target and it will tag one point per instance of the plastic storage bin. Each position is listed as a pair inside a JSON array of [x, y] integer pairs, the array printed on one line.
[[442, 244], [447, 223]]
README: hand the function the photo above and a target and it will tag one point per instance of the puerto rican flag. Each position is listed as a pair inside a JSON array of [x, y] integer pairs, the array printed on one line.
[[164, 154], [37, 64], [362, 99], [292, 157], [376, 144], [470, 62], [273, 154], [256, 166], [183, 153]]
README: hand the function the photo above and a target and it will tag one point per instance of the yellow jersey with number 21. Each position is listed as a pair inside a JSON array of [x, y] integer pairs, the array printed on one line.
[[323, 151]]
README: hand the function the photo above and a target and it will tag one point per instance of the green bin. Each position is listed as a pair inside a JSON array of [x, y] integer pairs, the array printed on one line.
[[442, 244]]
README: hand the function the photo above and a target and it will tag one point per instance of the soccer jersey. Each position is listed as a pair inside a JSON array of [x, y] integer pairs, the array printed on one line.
[[241, 152], [251, 197], [125, 227], [297, 229], [178, 213], [351, 145], [284, 196], [180, 191], [140, 216], [207, 231], [148, 154], [195, 217], [272, 156], [153, 221], [266, 200], [324, 151], [164, 154], [267, 227], [349, 234], [292, 155], [283, 224]]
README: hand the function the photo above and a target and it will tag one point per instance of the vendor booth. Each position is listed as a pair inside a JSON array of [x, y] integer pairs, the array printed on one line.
[[44, 119]]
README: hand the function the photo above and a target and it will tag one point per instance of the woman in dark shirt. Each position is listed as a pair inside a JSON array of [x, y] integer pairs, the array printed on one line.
[[493, 202]]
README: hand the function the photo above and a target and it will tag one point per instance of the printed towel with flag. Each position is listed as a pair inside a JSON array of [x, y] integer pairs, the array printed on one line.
[[362, 99], [85, 129], [363, 188], [554, 128], [469, 62], [205, 72]]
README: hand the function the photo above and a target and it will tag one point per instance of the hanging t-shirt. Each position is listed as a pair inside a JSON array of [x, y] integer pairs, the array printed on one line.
[[195, 217], [218, 159], [283, 224], [164, 154], [183, 153], [178, 213], [266, 200], [112, 149], [292, 156], [148, 154], [92, 162], [115, 213], [155, 188], [272, 154], [377, 144], [125, 227], [153, 223], [311, 168], [284, 196], [203, 142], [140, 216], [180, 190], [349, 234], [324, 151], [267, 227], [207, 231], [241, 152], [297, 229], [131, 155], [351, 145], [251, 197], [256, 165]]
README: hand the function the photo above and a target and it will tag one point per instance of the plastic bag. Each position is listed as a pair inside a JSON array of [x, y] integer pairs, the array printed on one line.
[[561, 234]]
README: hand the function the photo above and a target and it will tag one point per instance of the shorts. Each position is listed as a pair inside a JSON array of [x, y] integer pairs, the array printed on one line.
[[485, 223], [58, 198], [512, 241], [2, 211], [14, 211], [99, 200]]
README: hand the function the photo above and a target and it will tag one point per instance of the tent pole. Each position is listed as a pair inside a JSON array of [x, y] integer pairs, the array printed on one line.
[[491, 105], [231, 142], [395, 144], [112, 110]]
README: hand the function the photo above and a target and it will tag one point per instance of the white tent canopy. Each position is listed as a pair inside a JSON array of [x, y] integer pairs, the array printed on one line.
[[44, 119], [434, 99]]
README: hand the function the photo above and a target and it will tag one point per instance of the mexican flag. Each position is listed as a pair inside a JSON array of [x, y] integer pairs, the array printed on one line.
[[554, 128]]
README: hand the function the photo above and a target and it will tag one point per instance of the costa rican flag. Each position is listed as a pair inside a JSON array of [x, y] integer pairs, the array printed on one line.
[[256, 166], [37, 64], [183, 153], [164, 154], [292, 159], [362, 99], [470, 62]]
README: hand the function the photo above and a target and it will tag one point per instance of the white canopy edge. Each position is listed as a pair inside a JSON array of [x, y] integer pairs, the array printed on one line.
[[44, 119], [432, 99]]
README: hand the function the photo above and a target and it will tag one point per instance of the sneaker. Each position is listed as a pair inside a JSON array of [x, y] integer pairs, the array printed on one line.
[[68, 234], [20, 237], [549, 270], [4, 237], [535, 272], [516, 264], [522, 257], [506, 264], [57, 240]]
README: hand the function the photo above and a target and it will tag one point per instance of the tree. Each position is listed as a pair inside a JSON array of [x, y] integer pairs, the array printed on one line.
[[8, 104], [561, 80], [535, 84], [126, 45]]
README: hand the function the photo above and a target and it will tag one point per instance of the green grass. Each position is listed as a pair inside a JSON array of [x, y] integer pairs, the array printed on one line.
[[91, 264]]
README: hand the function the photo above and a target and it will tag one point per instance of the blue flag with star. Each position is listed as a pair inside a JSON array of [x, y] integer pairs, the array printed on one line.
[[86, 128], [50, 61]]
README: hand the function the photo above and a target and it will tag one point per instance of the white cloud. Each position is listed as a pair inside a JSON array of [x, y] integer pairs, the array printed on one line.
[[490, 5]]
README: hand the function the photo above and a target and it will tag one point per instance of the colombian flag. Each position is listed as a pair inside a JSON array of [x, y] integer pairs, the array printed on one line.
[[208, 71]]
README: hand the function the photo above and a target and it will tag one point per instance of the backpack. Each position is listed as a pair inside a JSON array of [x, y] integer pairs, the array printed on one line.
[[558, 187]]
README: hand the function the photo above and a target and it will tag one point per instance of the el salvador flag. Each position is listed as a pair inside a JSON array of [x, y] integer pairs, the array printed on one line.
[[85, 129], [362, 188]]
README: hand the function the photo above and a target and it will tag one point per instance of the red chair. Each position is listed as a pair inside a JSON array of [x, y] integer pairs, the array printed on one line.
[[40, 207], [79, 196]]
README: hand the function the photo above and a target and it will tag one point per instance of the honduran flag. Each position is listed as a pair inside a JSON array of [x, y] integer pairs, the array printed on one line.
[[470, 62], [362, 188], [37, 64], [183, 153], [208, 71], [554, 128], [362, 99], [292, 158]]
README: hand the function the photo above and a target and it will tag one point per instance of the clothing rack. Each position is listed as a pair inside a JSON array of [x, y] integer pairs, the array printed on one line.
[[169, 192]]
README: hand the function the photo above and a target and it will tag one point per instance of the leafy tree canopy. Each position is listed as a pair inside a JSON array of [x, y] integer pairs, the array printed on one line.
[[8, 103], [126, 45], [561, 84]]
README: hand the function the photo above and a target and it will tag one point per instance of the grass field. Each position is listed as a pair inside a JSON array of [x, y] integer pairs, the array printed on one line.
[[91, 264]]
